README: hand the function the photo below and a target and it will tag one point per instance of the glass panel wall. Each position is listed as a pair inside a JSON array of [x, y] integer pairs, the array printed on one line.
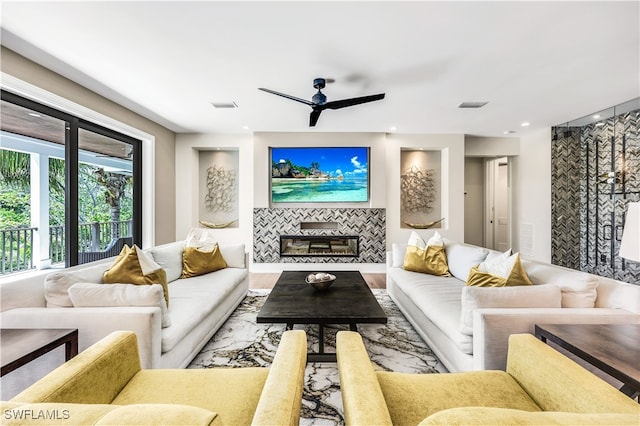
[[32, 188], [70, 190], [105, 195], [595, 174]]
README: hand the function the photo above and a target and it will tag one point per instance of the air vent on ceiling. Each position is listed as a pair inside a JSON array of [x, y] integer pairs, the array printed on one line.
[[224, 104], [472, 104]]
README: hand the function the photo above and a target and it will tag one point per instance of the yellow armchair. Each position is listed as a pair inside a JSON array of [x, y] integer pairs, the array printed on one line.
[[105, 385], [540, 386]]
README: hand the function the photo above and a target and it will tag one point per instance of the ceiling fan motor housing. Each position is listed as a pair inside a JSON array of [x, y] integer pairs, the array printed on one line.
[[319, 98], [319, 83]]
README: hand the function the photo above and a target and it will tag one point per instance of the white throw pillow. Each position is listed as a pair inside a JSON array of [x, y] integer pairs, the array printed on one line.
[[500, 265], [495, 253], [56, 288], [233, 254], [201, 238], [398, 252], [147, 264], [578, 288], [169, 256], [92, 295], [205, 240], [533, 296], [462, 257]]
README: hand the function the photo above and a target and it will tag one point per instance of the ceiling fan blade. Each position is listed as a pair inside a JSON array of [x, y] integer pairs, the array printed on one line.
[[352, 101], [313, 118], [284, 95]]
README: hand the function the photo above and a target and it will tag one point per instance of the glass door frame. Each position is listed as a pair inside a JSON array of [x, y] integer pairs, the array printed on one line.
[[74, 124]]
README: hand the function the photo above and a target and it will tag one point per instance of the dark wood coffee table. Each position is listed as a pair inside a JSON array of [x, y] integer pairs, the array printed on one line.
[[22, 345], [348, 301], [613, 348]]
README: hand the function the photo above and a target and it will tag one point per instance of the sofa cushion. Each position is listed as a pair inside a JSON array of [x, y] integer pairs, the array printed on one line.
[[233, 254], [439, 298], [508, 417], [429, 257], [233, 393], [533, 296], [133, 266], [193, 299], [169, 414], [56, 284], [91, 294], [499, 272], [169, 257], [412, 397], [462, 257], [578, 288], [397, 254], [198, 262]]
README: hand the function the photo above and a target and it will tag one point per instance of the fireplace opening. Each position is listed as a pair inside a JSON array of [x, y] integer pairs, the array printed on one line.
[[319, 245]]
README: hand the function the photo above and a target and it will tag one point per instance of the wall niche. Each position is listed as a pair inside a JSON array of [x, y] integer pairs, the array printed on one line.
[[595, 174], [218, 188], [420, 189]]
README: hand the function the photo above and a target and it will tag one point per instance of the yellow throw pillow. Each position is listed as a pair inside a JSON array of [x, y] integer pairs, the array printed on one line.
[[133, 266], [428, 258], [499, 273], [196, 262]]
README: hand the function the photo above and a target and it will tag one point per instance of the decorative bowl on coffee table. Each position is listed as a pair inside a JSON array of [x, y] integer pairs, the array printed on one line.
[[320, 280]]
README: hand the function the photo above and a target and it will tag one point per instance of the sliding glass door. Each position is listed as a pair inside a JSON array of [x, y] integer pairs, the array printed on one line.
[[83, 184]]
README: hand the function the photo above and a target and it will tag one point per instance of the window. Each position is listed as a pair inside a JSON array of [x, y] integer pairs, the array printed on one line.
[[70, 190]]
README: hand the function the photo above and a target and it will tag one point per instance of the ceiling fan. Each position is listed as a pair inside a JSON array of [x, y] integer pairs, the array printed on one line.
[[318, 102]]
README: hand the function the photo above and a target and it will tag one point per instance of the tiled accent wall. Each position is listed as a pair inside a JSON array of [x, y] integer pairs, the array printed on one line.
[[269, 224], [587, 211]]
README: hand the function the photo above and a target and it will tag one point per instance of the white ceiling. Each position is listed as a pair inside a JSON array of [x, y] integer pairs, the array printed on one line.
[[540, 62]]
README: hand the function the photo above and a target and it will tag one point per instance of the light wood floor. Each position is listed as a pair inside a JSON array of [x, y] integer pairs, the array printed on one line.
[[267, 280]]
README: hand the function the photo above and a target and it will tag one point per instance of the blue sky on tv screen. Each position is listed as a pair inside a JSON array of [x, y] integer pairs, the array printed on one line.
[[338, 160]]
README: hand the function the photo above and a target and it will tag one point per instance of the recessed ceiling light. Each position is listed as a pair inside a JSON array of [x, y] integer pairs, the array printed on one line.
[[228, 105], [245, 127], [393, 128], [472, 104], [595, 117], [525, 124], [34, 114], [508, 132]]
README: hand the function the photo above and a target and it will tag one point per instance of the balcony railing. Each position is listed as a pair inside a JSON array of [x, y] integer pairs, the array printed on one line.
[[16, 244], [16, 249]]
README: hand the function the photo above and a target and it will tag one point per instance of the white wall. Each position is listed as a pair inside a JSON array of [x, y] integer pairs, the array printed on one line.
[[532, 196], [477, 146], [188, 147], [531, 179], [451, 147]]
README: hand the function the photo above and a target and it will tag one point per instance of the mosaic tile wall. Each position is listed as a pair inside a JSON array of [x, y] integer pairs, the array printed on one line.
[[269, 224], [588, 205]]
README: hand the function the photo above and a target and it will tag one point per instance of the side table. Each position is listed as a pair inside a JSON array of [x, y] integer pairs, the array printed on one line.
[[612, 348], [22, 345]]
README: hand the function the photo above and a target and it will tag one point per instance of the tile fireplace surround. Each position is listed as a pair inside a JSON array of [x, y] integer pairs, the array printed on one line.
[[269, 224]]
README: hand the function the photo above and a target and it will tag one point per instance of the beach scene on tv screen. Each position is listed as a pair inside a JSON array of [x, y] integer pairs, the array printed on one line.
[[338, 174]]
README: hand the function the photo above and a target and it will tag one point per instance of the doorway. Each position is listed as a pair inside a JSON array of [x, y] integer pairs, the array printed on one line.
[[497, 235]]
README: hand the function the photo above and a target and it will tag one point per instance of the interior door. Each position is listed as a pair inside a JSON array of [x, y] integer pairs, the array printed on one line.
[[497, 204]]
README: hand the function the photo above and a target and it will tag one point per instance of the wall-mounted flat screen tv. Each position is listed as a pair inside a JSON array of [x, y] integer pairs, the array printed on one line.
[[320, 175]]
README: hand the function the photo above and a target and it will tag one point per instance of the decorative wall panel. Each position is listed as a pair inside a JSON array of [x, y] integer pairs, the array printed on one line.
[[270, 223], [595, 174]]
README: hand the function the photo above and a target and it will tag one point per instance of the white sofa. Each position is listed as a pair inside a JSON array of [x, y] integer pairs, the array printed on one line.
[[198, 306], [468, 327]]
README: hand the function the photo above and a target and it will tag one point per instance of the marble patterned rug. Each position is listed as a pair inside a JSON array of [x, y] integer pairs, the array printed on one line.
[[241, 342]]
